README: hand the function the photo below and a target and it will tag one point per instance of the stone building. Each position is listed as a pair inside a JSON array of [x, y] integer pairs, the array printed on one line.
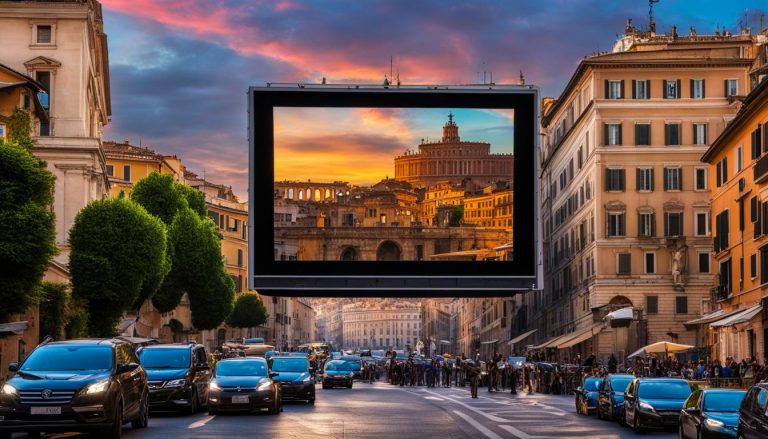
[[452, 160], [625, 199], [127, 164], [436, 326], [382, 325]]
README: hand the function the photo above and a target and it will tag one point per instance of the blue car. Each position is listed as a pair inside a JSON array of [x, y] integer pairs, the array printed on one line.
[[587, 394], [610, 403], [655, 402], [711, 414]]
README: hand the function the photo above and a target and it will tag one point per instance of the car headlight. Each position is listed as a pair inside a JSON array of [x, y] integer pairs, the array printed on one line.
[[97, 387], [264, 386], [9, 390], [307, 379], [213, 386], [351, 374], [714, 423], [646, 406], [176, 383]]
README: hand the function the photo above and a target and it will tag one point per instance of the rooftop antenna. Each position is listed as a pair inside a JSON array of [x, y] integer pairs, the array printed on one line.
[[652, 23]]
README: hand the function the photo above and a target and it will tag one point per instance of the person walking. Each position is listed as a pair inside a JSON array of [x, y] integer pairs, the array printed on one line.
[[446, 374], [473, 372]]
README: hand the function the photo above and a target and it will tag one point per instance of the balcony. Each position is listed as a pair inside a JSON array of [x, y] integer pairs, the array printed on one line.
[[720, 293], [761, 169]]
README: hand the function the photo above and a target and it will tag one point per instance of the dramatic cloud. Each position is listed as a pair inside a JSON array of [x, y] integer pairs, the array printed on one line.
[[180, 68]]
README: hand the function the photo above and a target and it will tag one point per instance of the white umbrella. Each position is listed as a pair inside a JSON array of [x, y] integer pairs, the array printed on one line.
[[660, 347]]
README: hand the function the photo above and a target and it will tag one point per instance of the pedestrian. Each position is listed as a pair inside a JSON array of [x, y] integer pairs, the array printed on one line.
[[446, 374], [473, 372], [612, 362]]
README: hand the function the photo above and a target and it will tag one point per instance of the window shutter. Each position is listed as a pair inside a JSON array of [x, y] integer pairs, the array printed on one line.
[[703, 88], [605, 134], [753, 209], [666, 179], [719, 174], [666, 134], [621, 90], [759, 138], [725, 169], [634, 89], [691, 88], [653, 224], [607, 89], [648, 89], [622, 175], [694, 133], [765, 136], [664, 89], [725, 88], [678, 89], [666, 224], [652, 180], [622, 229], [706, 128], [680, 178], [755, 153], [620, 142], [639, 179], [607, 179]]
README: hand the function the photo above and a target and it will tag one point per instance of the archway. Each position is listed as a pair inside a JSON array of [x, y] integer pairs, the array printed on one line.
[[388, 251], [349, 254], [620, 302]]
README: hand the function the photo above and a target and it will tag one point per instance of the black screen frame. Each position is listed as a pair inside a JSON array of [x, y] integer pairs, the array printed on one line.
[[393, 278]]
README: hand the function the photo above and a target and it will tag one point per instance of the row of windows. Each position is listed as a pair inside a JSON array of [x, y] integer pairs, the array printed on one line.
[[652, 304], [759, 146], [670, 89], [572, 205], [574, 241], [613, 133], [758, 216], [646, 224], [624, 263], [615, 179], [755, 270]]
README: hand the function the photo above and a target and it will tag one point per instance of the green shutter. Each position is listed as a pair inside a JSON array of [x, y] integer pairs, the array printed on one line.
[[648, 89], [634, 89]]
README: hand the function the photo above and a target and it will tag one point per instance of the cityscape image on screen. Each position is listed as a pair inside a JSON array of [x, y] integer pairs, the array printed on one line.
[[393, 184]]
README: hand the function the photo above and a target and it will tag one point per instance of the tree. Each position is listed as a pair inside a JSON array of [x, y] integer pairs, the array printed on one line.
[[118, 253], [20, 128], [160, 195], [195, 200], [249, 311], [457, 216], [53, 303], [27, 226]]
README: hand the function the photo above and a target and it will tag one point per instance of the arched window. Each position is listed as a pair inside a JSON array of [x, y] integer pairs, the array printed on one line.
[[317, 194], [349, 254], [327, 194], [290, 194], [301, 195], [388, 251]]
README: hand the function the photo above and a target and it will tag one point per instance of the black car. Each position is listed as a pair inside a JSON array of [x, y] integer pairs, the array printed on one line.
[[178, 376], [244, 384], [711, 414], [297, 382], [753, 413], [610, 402], [655, 402], [76, 385], [338, 373]]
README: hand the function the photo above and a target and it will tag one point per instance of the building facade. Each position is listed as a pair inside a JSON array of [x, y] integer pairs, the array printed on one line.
[[127, 164], [452, 160], [395, 325], [625, 198]]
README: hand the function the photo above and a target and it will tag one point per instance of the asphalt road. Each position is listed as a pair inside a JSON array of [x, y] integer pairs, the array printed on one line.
[[380, 410]]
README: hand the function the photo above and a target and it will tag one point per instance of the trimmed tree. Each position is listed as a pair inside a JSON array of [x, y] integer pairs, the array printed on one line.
[[249, 311], [27, 226], [118, 253], [53, 304], [160, 195]]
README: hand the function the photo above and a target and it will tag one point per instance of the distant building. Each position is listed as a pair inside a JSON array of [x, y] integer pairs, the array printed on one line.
[[127, 164], [453, 160], [384, 325]]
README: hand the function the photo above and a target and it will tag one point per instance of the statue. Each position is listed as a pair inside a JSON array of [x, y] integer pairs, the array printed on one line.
[[679, 262]]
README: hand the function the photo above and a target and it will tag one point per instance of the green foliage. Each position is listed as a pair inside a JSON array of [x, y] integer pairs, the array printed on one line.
[[118, 253], [457, 216], [27, 226], [249, 311], [20, 128], [53, 308], [160, 195], [195, 200], [77, 319]]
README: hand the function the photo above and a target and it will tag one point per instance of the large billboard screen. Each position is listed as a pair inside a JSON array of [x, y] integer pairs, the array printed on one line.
[[393, 192]]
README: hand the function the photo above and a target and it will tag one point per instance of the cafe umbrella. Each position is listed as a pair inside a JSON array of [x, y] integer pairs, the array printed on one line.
[[661, 347]]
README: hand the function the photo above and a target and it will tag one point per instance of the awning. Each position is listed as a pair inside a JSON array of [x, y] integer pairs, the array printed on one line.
[[489, 342], [580, 337], [14, 328], [621, 314], [522, 337], [553, 342], [740, 317], [708, 318]]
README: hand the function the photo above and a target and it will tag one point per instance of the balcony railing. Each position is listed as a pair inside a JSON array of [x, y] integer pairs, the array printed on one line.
[[761, 169]]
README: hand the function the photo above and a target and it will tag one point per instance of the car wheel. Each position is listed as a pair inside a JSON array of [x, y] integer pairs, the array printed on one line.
[[116, 430], [193, 403], [636, 425], [143, 420]]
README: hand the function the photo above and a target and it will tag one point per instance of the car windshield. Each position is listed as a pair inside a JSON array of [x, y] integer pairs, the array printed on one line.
[[723, 401], [677, 389], [593, 384], [290, 365], [241, 368], [67, 358], [619, 384], [159, 358], [341, 366]]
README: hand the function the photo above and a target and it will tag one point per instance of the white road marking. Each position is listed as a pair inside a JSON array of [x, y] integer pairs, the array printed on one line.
[[480, 412], [480, 427], [201, 423], [517, 433], [434, 398]]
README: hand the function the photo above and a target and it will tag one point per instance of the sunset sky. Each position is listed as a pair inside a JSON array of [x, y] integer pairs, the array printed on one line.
[[180, 68], [358, 145]]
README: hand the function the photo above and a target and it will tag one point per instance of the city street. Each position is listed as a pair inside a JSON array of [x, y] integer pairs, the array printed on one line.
[[381, 410]]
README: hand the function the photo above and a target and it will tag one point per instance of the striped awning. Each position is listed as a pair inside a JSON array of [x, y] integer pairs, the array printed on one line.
[[522, 337], [740, 317], [580, 337]]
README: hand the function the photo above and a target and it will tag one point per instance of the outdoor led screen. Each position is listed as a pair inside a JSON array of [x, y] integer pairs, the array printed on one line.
[[393, 191]]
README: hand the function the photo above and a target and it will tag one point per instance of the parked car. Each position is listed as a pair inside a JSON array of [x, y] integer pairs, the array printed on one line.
[[711, 414], [76, 385], [178, 376], [338, 373], [244, 384], [296, 380], [610, 401], [586, 395], [753, 413], [655, 402]]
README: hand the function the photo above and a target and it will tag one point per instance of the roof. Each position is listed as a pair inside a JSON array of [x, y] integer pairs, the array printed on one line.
[[758, 94], [14, 328], [126, 150]]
